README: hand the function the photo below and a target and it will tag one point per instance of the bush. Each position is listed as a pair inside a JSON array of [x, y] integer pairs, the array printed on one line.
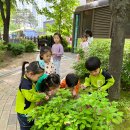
[[89, 112], [50, 41], [16, 49], [29, 45], [101, 49], [125, 76], [3, 49], [2, 54]]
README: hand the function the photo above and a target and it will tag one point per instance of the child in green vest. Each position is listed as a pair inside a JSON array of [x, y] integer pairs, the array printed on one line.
[[97, 79], [27, 96]]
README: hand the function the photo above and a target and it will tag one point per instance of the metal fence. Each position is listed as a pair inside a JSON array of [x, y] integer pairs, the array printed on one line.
[[40, 41]]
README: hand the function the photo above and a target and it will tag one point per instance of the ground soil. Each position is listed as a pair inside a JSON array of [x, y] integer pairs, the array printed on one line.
[[10, 62]]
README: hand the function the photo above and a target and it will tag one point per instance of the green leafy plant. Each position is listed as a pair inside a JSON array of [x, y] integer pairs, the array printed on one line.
[[101, 49], [29, 45], [3, 49], [124, 105], [126, 67], [88, 112], [16, 49]]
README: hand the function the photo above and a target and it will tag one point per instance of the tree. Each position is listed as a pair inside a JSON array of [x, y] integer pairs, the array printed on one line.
[[119, 19], [61, 12], [24, 18], [5, 9], [5, 14]]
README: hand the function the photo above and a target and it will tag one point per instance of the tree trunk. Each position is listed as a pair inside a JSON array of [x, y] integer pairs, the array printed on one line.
[[119, 18], [5, 13], [6, 31]]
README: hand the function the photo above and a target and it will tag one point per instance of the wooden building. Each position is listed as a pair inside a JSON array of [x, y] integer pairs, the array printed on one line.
[[95, 16]]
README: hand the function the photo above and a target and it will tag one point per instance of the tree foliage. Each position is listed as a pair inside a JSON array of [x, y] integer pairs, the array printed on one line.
[[5, 10], [61, 11], [24, 17]]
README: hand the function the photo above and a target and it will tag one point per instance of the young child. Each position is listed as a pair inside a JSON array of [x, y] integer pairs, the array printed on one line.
[[71, 81], [97, 79], [49, 83], [26, 95], [90, 36], [45, 55], [57, 51], [83, 45]]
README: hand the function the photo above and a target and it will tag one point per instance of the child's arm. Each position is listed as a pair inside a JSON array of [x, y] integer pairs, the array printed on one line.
[[32, 96], [87, 81], [109, 81], [61, 51]]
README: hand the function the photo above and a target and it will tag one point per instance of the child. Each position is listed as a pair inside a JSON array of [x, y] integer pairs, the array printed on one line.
[[49, 83], [90, 36], [71, 81], [57, 51], [26, 95], [97, 79], [45, 55], [83, 45]]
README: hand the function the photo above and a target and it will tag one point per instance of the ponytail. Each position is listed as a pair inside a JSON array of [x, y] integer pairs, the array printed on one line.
[[23, 68]]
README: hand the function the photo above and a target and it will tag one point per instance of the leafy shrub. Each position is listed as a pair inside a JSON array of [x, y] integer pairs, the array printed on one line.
[[125, 76], [3, 49], [101, 49], [89, 112], [124, 105], [64, 43], [29, 45], [2, 54], [51, 41], [16, 49]]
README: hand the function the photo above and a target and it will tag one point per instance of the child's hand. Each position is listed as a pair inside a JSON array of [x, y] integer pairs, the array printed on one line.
[[39, 103], [47, 98], [83, 87], [53, 53], [74, 93], [51, 93]]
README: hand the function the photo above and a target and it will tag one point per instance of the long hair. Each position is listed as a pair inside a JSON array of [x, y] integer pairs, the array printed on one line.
[[33, 67]]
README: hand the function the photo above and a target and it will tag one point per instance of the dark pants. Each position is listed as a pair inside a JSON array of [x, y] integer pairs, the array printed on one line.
[[24, 124]]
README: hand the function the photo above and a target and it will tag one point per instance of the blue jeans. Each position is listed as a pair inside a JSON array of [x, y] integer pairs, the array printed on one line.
[[24, 124]]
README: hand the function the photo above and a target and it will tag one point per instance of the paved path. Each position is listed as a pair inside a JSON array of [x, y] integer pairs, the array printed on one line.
[[9, 81]]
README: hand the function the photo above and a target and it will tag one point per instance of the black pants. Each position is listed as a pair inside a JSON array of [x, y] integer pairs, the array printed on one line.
[[24, 124]]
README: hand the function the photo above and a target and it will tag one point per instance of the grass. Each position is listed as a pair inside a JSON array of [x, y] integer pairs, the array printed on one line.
[[125, 107]]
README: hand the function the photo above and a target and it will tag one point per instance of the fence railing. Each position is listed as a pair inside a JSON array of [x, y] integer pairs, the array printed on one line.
[[40, 41]]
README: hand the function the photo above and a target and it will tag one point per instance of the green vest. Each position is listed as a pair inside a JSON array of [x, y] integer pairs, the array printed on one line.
[[103, 81], [26, 96]]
